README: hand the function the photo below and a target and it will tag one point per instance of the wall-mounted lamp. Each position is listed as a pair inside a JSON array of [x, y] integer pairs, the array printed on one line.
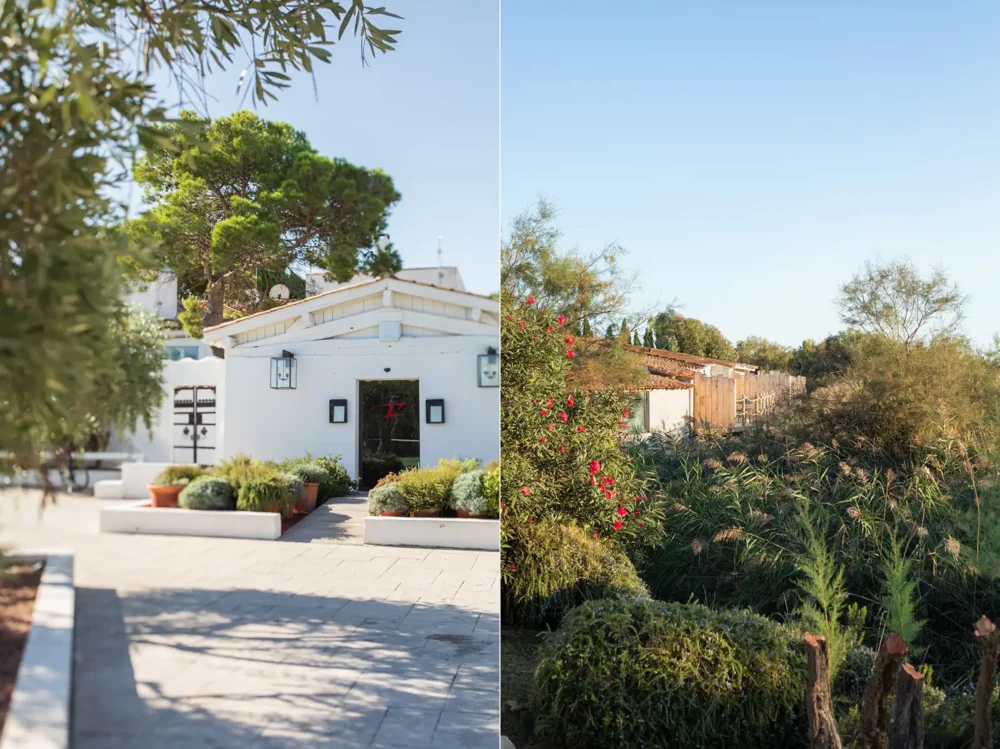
[[283, 372], [489, 369], [338, 411], [435, 411]]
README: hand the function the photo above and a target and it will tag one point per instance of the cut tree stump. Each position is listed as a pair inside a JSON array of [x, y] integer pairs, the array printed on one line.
[[875, 701], [989, 640], [823, 732], [908, 714]]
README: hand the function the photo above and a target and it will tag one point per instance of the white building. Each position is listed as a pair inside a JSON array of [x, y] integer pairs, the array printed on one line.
[[388, 363], [445, 277]]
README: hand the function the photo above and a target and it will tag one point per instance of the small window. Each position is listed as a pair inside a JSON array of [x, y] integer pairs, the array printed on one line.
[[637, 417], [176, 353]]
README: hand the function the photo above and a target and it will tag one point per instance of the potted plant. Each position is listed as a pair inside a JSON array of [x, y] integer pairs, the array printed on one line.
[[427, 490], [266, 491], [207, 493], [312, 476], [387, 501], [169, 482], [467, 498]]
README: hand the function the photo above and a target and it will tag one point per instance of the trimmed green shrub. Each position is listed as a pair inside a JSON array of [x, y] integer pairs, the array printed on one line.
[[650, 674], [310, 473], [261, 493], [428, 488], [558, 567], [240, 468], [207, 493], [338, 482], [491, 490], [178, 475], [386, 498], [467, 494]]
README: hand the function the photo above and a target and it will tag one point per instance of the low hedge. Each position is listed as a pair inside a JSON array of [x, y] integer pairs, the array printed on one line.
[[207, 493], [338, 483], [491, 490], [263, 492], [386, 498], [559, 567], [310, 473], [650, 674], [428, 488]]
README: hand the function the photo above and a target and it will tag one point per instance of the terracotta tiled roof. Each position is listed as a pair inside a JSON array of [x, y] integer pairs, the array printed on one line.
[[663, 355], [663, 374]]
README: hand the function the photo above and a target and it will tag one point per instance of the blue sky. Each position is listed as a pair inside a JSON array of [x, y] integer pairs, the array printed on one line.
[[427, 114], [752, 155]]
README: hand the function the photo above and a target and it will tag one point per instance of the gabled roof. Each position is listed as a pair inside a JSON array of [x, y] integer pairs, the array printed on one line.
[[349, 310]]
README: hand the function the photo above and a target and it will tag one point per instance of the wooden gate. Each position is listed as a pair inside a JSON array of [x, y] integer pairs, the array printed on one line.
[[714, 402]]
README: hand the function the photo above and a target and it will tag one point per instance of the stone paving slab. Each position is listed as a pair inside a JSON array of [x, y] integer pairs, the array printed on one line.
[[314, 640]]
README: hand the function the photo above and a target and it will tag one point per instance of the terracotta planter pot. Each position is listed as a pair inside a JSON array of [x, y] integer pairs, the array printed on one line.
[[308, 503], [425, 514], [394, 514], [462, 514], [163, 496]]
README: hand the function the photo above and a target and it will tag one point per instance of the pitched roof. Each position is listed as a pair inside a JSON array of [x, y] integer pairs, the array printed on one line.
[[340, 289], [662, 374], [662, 355]]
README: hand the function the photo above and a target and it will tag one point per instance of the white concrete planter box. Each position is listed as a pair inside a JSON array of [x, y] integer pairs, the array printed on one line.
[[138, 517], [437, 533], [39, 713]]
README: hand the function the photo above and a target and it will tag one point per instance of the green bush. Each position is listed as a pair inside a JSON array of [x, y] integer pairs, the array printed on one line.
[[650, 674], [310, 473], [240, 468], [263, 492], [178, 475], [338, 482], [491, 490], [386, 498], [467, 494], [207, 493], [558, 567], [428, 488], [296, 487]]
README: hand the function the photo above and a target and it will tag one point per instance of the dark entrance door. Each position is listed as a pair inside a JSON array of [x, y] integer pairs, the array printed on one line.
[[194, 424], [390, 427]]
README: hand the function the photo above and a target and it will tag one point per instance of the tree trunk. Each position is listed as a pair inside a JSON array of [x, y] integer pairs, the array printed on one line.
[[908, 714], [875, 702], [989, 641], [215, 298], [823, 732]]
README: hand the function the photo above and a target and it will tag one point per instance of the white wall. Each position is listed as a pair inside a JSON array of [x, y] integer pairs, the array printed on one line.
[[158, 447], [159, 296], [445, 277], [278, 424], [669, 410]]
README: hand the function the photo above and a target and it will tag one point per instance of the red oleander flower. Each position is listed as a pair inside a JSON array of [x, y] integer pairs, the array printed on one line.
[[512, 566], [580, 428], [542, 440], [642, 523], [531, 299], [608, 481], [562, 448], [618, 525], [551, 403], [564, 416], [551, 427], [609, 494], [525, 491], [595, 467], [533, 402], [635, 512], [570, 354], [627, 412], [543, 412], [561, 319], [569, 340], [501, 505], [592, 481], [596, 534], [549, 328], [530, 521], [522, 323], [570, 402], [622, 512]]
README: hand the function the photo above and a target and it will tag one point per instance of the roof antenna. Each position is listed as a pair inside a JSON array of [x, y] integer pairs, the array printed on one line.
[[440, 264]]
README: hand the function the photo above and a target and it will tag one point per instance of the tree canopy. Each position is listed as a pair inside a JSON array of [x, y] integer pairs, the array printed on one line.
[[687, 335], [74, 107], [243, 195], [763, 353]]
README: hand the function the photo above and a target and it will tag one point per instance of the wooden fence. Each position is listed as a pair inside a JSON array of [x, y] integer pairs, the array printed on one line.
[[724, 402]]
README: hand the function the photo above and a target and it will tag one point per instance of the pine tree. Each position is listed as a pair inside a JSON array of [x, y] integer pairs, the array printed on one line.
[[647, 338], [635, 338], [587, 332], [610, 332], [625, 335]]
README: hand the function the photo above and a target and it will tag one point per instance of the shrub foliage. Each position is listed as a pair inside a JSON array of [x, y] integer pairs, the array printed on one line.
[[178, 475], [207, 493]]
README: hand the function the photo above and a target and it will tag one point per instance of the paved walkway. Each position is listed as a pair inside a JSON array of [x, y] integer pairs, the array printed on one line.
[[311, 641]]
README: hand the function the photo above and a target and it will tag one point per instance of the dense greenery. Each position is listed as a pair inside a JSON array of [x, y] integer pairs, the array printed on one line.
[[467, 494], [74, 108], [760, 352], [338, 482], [386, 498], [240, 195], [650, 674], [428, 488], [207, 493], [310, 473], [266, 492], [687, 335], [178, 475]]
